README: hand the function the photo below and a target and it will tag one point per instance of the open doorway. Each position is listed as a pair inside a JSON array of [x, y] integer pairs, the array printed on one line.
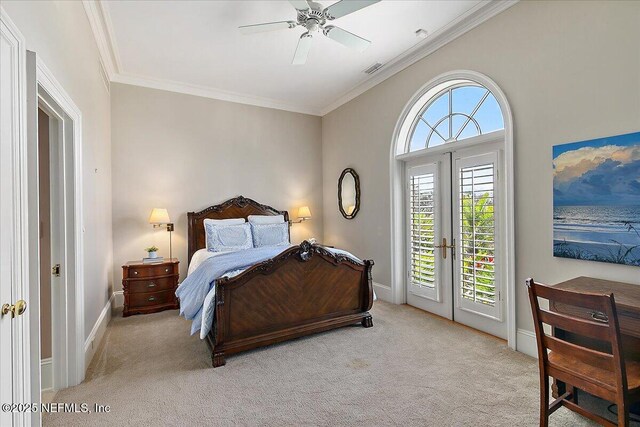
[[56, 319]]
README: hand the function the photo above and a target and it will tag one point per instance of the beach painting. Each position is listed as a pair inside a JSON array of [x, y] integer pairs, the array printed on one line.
[[596, 200]]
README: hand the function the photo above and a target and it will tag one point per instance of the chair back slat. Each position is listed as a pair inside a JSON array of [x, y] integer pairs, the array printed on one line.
[[597, 302], [586, 355], [577, 325]]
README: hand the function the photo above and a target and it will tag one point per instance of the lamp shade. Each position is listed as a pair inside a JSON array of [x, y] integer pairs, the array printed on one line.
[[304, 212], [159, 216]]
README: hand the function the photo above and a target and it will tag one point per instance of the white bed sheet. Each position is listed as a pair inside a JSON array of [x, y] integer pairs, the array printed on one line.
[[199, 257]]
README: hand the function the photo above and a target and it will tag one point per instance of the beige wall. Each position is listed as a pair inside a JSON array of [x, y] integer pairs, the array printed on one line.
[[60, 34], [570, 71], [185, 153]]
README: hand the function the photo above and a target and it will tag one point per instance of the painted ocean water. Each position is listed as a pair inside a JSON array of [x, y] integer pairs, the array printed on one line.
[[597, 233]]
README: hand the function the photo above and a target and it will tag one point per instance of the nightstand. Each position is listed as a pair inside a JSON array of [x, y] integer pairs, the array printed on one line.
[[149, 288]]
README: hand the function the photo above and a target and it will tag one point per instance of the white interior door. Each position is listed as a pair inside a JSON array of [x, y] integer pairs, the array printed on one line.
[[454, 244], [428, 226], [14, 258]]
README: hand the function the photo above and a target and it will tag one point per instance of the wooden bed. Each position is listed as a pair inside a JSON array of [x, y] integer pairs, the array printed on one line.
[[304, 290]]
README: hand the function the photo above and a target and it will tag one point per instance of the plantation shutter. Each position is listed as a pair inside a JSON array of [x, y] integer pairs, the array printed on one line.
[[477, 222], [422, 219]]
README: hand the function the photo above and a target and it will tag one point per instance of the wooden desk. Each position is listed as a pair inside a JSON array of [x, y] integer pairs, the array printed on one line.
[[627, 297]]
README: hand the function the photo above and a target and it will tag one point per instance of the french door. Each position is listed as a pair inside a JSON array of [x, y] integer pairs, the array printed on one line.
[[454, 264]]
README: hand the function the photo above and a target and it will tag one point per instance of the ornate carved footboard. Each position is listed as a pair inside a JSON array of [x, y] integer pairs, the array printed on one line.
[[304, 290]]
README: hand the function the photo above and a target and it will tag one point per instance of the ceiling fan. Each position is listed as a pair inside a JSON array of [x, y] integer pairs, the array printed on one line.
[[313, 17]]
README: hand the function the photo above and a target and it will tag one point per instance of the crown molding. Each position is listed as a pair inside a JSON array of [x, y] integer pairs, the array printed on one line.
[[208, 92], [100, 21], [102, 27], [456, 28]]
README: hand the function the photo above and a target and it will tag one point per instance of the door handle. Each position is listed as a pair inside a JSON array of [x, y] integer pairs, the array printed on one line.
[[15, 309], [444, 248]]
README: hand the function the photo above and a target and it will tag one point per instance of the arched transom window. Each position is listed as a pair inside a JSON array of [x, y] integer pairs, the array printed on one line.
[[452, 112]]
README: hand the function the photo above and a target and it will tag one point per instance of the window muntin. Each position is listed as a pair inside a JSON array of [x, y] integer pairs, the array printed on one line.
[[460, 111]]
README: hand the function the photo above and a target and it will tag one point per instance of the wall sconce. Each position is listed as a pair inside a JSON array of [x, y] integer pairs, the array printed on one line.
[[304, 214], [160, 217]]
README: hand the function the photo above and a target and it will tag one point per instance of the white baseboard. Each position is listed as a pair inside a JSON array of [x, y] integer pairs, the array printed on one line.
[[383, 292], [46, 374], [526, 343], [97, 332]]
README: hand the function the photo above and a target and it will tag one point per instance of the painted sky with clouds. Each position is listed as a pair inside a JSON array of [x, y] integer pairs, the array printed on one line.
[[604, 171]]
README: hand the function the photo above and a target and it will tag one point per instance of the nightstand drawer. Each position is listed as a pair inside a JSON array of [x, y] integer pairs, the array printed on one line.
[[150, 271], [146, 299], [152, 285]]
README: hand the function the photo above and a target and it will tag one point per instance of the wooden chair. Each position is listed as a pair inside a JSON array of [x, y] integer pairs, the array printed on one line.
[[602, 373]]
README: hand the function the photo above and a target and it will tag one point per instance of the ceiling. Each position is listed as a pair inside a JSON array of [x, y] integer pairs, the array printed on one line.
[[196, 47]]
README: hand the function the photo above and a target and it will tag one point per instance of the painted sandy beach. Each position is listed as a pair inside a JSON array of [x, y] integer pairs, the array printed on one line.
[[597, 233]]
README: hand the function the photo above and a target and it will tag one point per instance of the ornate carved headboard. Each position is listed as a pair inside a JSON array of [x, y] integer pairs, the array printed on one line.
[[238, 207]]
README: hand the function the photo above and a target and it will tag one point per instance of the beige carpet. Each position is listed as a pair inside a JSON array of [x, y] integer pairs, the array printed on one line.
[[410, 369]]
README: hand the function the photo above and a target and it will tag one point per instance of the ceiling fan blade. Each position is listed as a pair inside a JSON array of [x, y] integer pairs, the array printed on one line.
[[304, 45], [300, 4], [345, 7], [346, 38], [269, 26]]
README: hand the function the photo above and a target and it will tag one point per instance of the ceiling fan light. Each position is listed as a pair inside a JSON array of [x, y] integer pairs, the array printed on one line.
[[313, 16]]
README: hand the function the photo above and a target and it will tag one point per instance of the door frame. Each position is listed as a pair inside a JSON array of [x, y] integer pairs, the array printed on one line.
[[20, 266], [397, 196], [67, 321]]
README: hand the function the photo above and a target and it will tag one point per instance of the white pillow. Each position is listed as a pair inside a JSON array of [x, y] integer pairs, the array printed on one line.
[[270, 234], [225, 238], [230, 221], [266, 219]]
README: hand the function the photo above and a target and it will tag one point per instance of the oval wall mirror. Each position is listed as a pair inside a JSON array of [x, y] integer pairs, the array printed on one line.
[[349, 193]]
